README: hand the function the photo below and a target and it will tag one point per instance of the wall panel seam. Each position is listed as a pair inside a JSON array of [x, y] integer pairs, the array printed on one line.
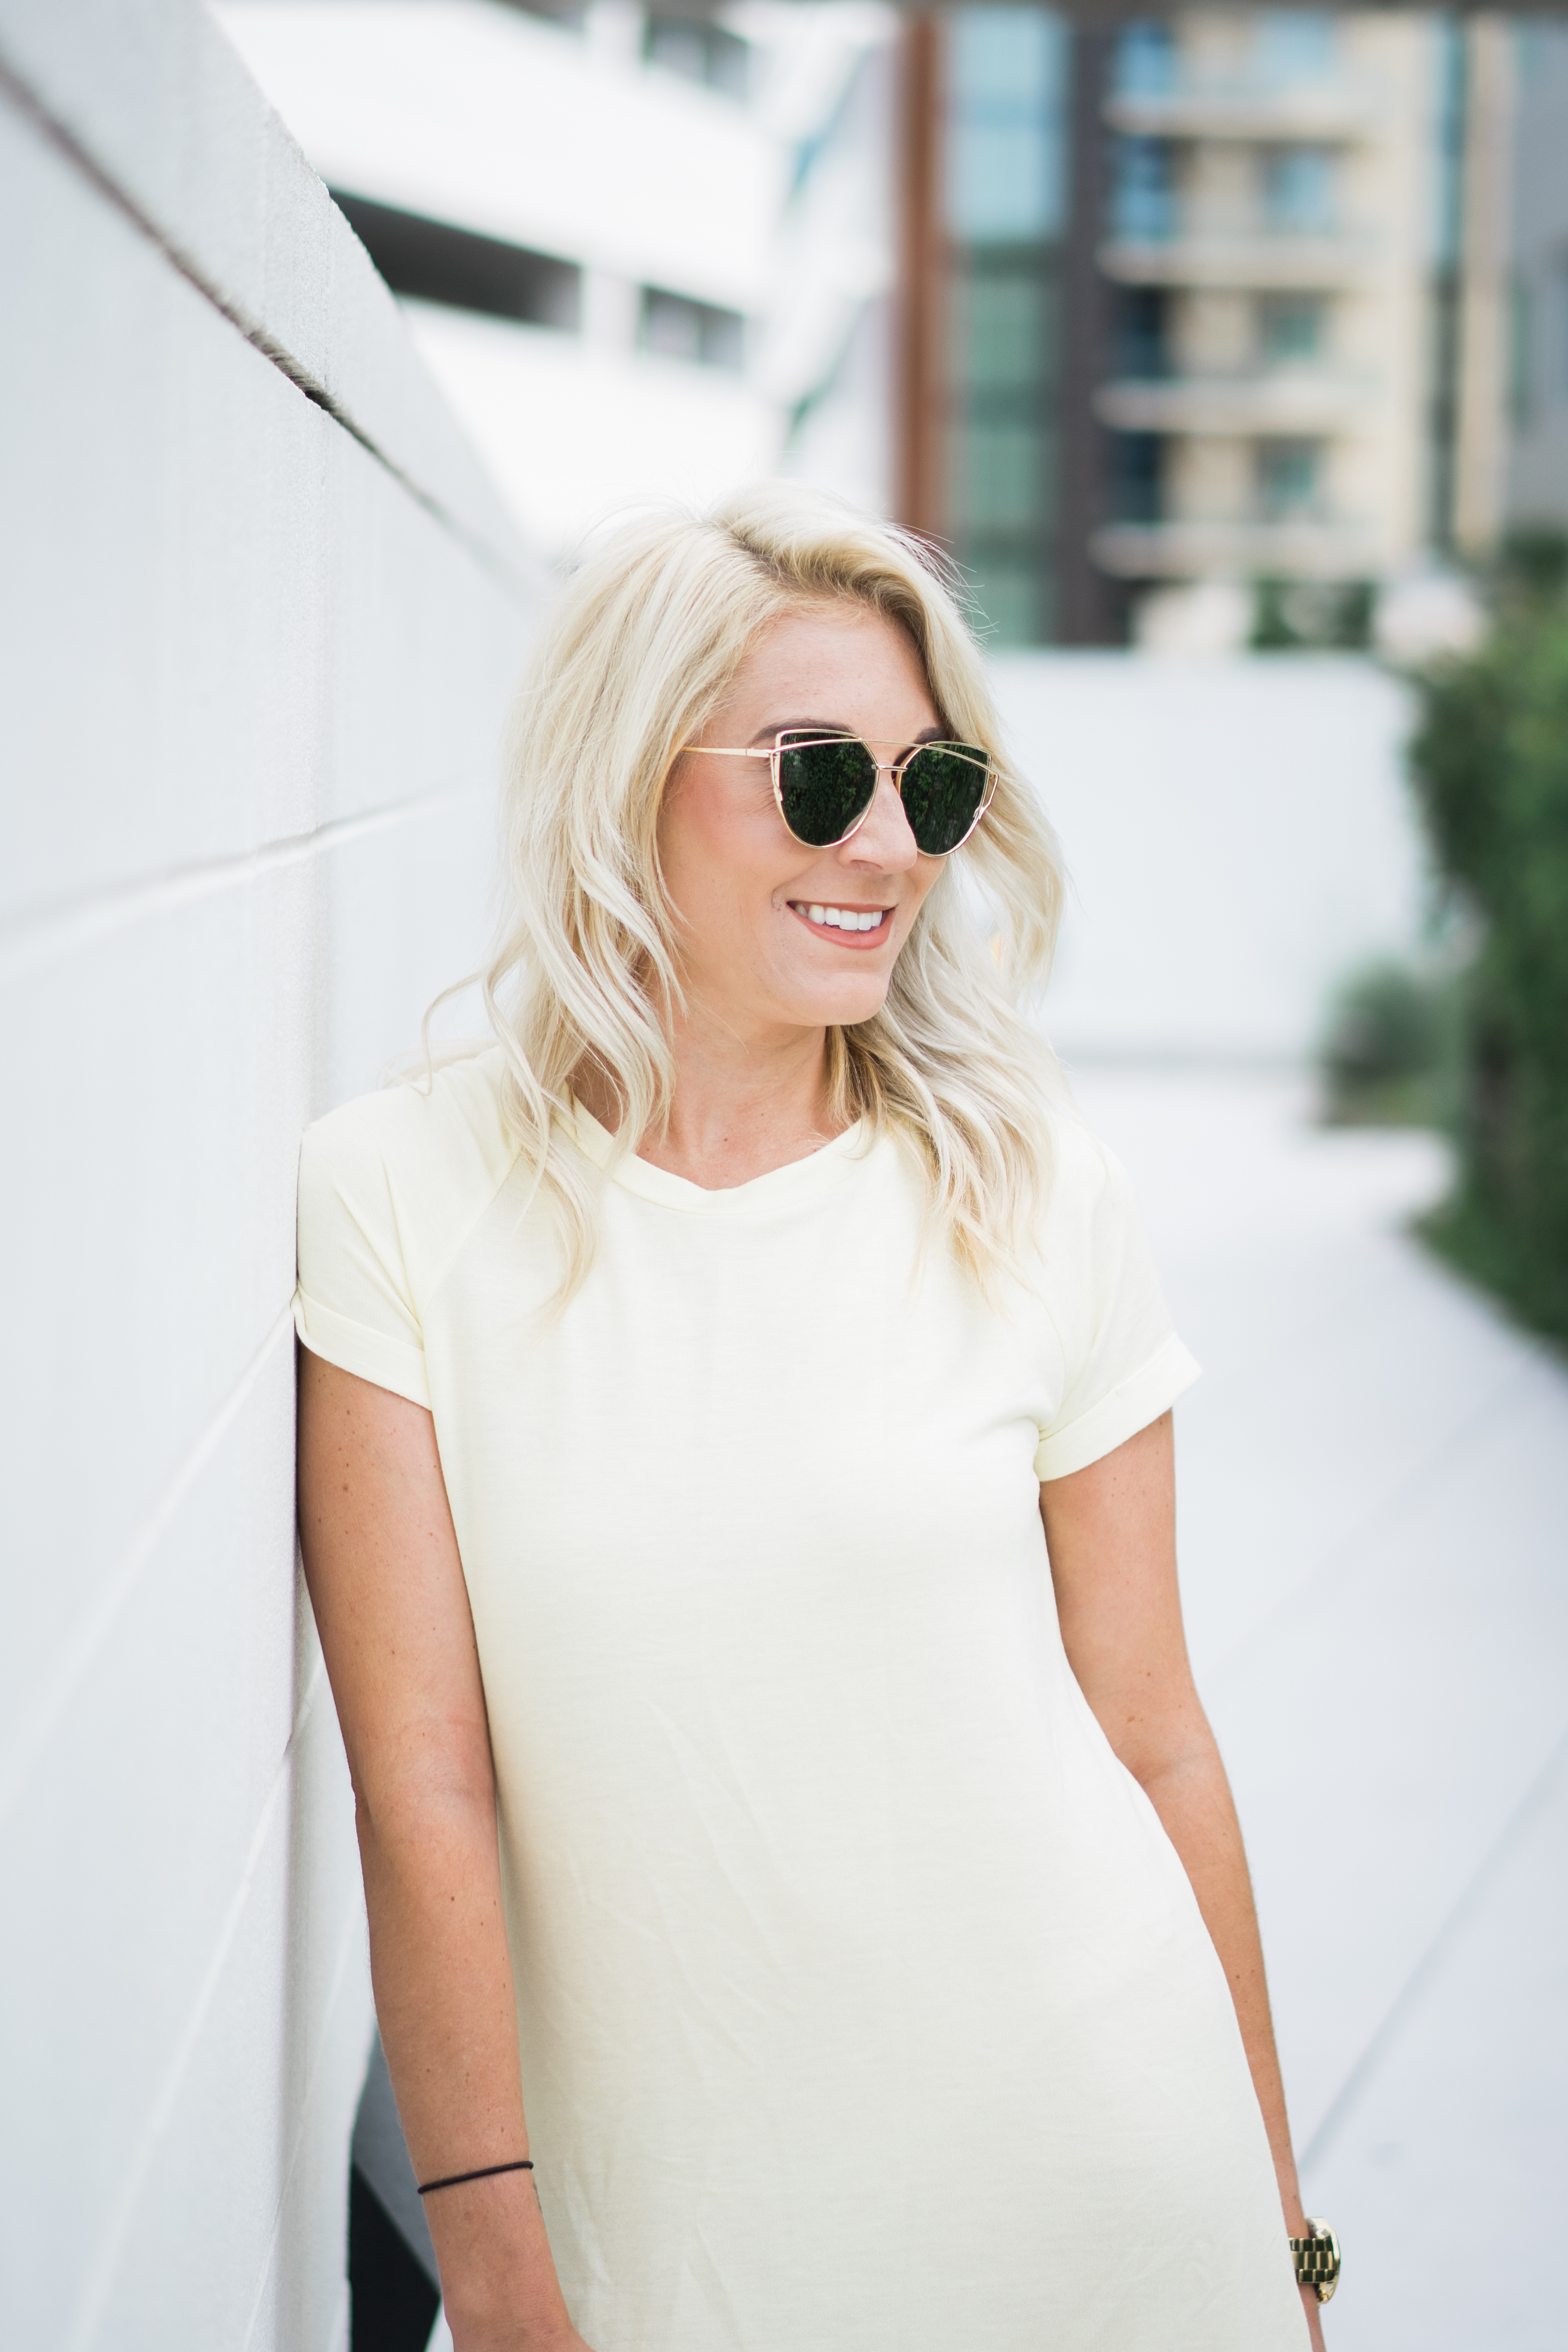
[[37, 1721], [31, 108], [112, 2241], [44, 935]]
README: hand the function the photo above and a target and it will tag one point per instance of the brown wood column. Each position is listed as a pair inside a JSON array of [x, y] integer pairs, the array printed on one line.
[[920, 388]]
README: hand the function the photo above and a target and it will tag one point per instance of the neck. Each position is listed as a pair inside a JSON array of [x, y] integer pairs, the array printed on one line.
[[744, 1104]]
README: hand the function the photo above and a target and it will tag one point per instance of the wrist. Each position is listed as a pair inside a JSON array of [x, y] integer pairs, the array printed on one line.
[[498, 2275], [1316, 2251]]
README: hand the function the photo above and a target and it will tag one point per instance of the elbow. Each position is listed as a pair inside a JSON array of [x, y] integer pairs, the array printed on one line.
[[1161, 1755], [1169, 1760], [437, 1805]]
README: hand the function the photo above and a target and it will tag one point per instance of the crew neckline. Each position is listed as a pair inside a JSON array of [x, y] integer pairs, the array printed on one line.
[[797, 1181]]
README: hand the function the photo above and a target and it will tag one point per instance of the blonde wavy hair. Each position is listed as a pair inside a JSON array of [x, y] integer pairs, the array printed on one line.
[[639, 656]]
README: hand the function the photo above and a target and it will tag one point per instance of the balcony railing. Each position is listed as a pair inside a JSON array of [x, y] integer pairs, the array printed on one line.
[[1181, 255], [1337, 111], [1287, 401], [1321, 547]]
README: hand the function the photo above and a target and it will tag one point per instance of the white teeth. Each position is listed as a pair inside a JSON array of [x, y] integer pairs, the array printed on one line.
[[844, 918]]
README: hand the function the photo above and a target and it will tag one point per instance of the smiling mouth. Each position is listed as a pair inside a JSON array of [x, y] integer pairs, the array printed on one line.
[[847, 926]]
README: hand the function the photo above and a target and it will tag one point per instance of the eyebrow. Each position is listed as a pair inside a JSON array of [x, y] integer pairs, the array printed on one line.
[[935, 734]]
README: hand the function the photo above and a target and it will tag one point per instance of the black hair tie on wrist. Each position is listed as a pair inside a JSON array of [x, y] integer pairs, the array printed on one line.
[[486, 2172]]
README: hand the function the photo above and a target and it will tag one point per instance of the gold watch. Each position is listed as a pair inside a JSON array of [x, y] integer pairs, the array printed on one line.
[[1317, 2259]]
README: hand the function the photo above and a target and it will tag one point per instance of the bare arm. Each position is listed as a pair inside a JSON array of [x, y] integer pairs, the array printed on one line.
[[1111, 1533], [386, 1580]]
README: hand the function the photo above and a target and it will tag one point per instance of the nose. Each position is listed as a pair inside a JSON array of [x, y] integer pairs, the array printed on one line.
[[883, 843]]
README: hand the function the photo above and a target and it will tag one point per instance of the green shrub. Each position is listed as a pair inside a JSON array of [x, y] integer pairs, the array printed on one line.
[[1490, 761], [1386, 1056], [1311, 615]]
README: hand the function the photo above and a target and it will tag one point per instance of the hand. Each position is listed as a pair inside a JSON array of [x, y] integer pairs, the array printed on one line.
[[1314, 2311]]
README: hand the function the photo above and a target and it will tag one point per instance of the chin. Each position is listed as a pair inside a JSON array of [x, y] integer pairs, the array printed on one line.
[[840, 1005]]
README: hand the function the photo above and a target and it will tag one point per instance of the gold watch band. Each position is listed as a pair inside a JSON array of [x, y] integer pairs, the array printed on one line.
[[1317, 2259]]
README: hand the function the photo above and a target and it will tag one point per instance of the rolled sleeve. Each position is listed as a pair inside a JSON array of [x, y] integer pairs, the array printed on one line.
[[1131, 1406]]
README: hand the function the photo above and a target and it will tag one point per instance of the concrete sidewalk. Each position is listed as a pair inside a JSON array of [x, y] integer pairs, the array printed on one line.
[[1374, 1481]]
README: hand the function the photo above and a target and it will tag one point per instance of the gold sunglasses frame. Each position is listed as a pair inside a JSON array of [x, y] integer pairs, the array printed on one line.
[[773, 752]]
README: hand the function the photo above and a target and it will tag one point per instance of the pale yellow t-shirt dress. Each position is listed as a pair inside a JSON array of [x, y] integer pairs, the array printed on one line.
[[865, 2006]]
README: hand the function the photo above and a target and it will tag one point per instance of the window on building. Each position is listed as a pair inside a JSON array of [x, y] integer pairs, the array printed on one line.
[[1003, 201], [1521, 352], [1143, 190], [1298, 190], [1141, 333], [999, 465], [1289, 328], [1001, 453], [1014, 600], [698, 50], [680, 329], [1290, 479], [1145, 61], [1005, 176], [1137, 488], [1004, 318], [568, 14], [430, 261], [1293, 44]]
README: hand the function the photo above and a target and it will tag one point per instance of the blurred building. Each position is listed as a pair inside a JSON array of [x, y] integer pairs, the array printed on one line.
[[645, 252], [1536, 488], [1209, 325], [1208, 316], [1270, 251]]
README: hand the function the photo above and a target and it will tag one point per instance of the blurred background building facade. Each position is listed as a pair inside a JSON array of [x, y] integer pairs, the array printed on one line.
[[1217, 329], [643, 251], [1193, 330], [1537, 488]]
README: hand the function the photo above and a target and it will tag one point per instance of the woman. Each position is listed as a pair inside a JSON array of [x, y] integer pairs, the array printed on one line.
[[832, 1895]]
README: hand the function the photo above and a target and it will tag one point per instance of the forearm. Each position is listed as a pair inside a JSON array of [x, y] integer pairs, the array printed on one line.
[[1192, 1796], [1192, 1799], [1111, 1530], [444, 1998]]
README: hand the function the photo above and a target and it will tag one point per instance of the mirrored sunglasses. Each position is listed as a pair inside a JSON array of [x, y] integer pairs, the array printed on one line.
[[825, 785]]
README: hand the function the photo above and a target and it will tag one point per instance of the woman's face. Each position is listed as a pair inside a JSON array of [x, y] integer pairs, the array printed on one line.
[[744, 887]]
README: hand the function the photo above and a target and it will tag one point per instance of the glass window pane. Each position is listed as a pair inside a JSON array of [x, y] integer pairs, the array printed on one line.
[[999, 327], [1290, 327], [1005, 148], [1293, 44], [1140, 334], [1143, 192], [1145, 61], [1298, 189], [680, 329], [1289, 479], [997, 470], [1008, 594]]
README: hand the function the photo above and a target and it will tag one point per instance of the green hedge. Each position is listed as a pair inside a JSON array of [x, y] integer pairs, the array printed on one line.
[[1490, 763]]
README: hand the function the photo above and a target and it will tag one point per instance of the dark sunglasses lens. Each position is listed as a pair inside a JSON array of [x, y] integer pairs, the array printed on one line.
[[944, 788], [824, 788]]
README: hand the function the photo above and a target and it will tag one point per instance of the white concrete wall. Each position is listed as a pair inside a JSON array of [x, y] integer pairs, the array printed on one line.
[[1238, 834], [255, 642]]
